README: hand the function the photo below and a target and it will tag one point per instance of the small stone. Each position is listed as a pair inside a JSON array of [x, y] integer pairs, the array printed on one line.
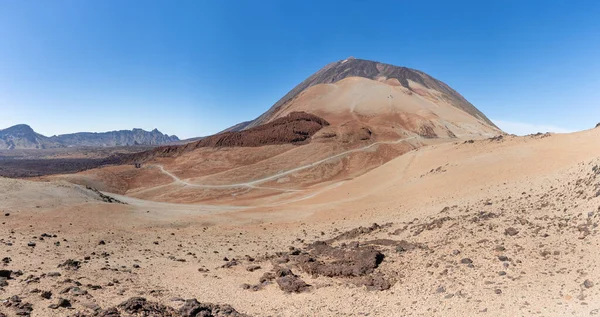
[[62, 302], [253, 268], [498, 291], [466, 261], [46, 294], [511, 231], [31, 244], [501, 273], [503, 258], [399, 249], [588, 284], [101, 242]]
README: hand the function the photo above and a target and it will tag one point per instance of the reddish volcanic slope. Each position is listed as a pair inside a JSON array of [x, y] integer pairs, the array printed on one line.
[[295, 128]]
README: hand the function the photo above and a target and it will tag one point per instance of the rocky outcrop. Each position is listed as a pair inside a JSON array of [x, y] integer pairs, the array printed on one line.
[[295, 128], [22, 136]]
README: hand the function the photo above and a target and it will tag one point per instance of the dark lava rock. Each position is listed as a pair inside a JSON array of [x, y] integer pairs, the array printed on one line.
[[266, 277], [511, 231], [5, 273], [229, 264], [286, 279], [31, 244], [104, 197], [466, 261], [64, 303], [70, 264], [354, 233], [21, 308], [353, 261], [503, 258], [193, 308], [588, 284], [295, 128], [292, 284], [140, 306], [46, 294], [329, 261]]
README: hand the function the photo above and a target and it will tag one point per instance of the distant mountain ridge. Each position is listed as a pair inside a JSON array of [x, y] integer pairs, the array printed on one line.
[[115, 138], [22, 136]]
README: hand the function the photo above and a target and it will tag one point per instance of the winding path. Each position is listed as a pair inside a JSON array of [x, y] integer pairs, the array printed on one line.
[[254, 183]]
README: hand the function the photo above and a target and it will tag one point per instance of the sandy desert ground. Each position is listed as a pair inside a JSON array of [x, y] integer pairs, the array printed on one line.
[[506, 226]]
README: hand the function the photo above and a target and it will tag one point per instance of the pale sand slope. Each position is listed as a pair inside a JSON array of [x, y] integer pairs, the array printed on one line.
[[380, 103], [543, 187]]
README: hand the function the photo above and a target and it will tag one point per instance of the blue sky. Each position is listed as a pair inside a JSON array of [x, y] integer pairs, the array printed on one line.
[[192, 68]]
